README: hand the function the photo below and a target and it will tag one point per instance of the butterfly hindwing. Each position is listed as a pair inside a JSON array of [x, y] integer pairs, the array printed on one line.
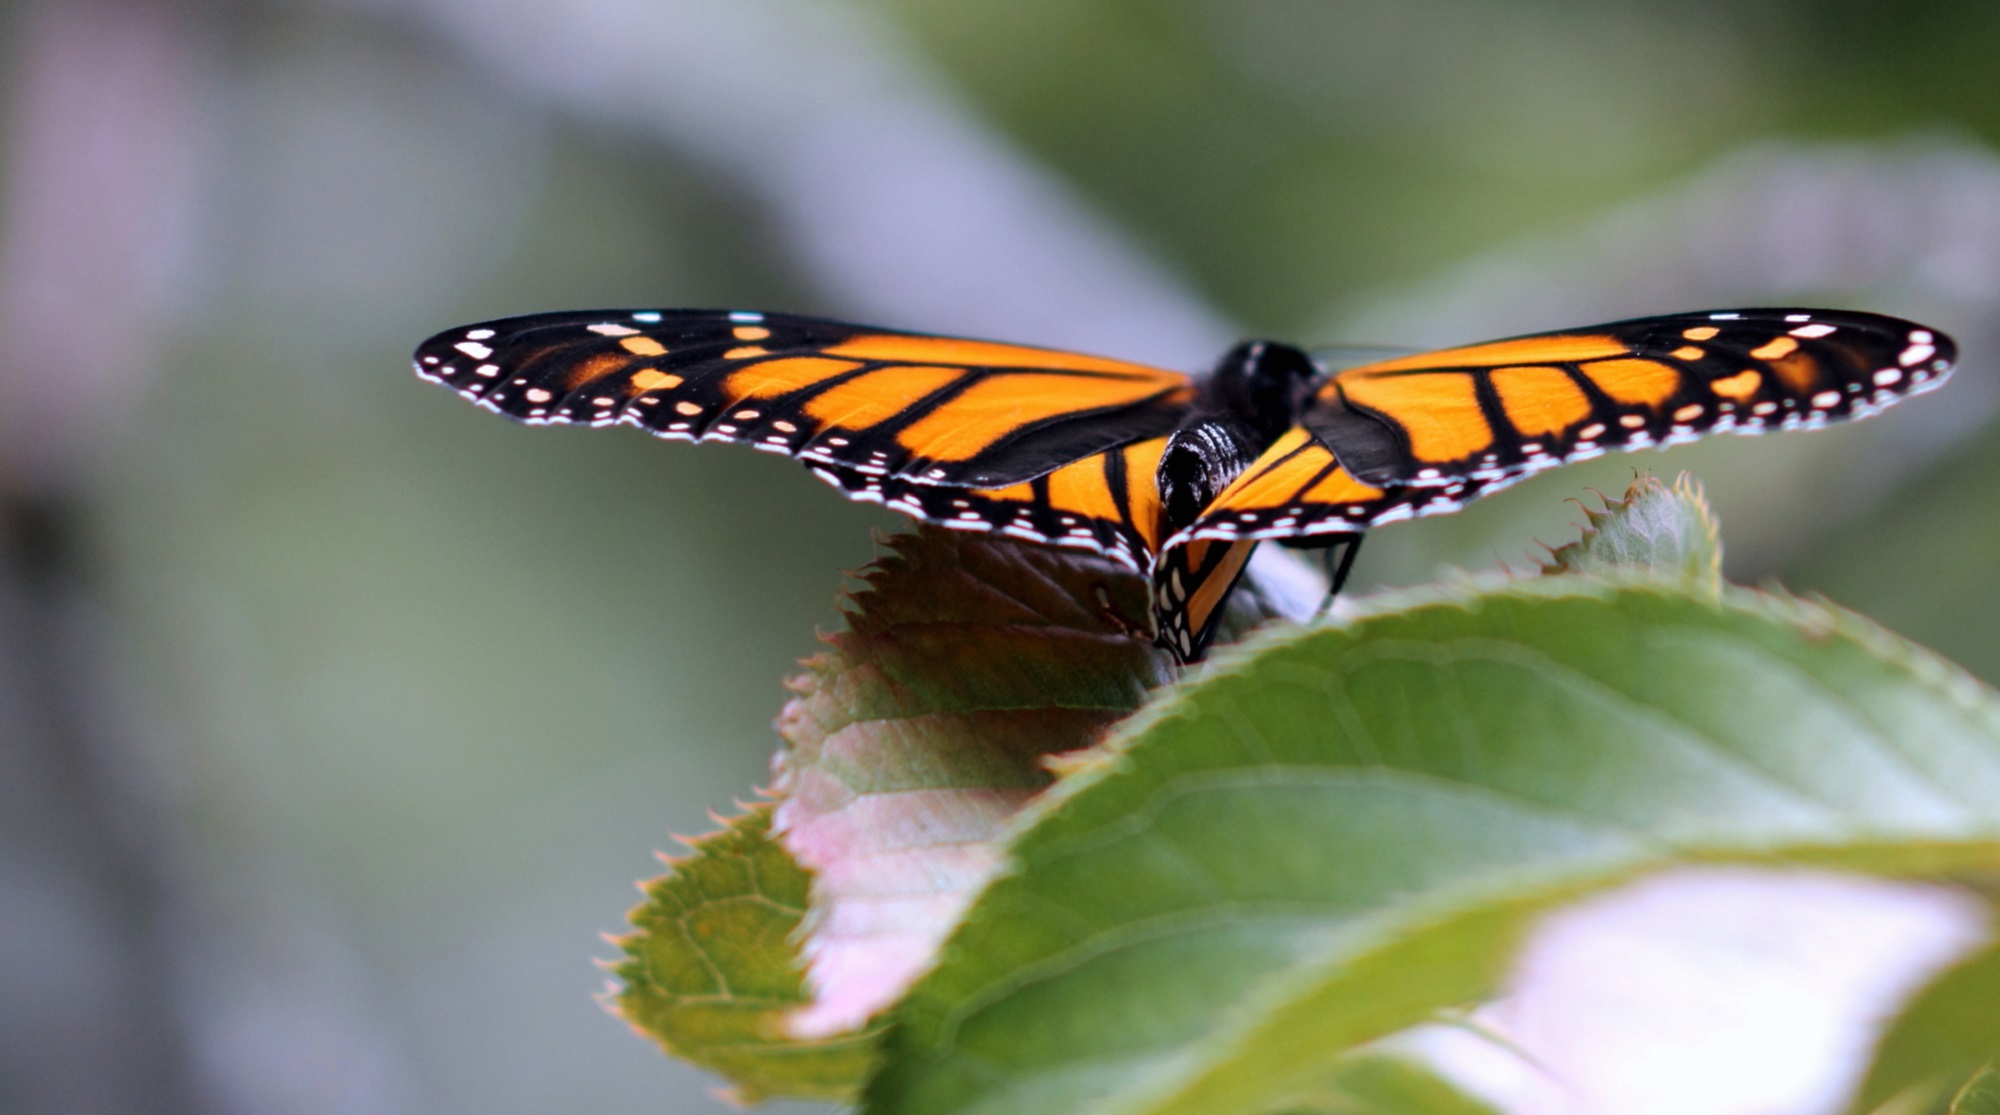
[[1107, 503], [1190, 584], [1298, 489], [920, 408], [1490, 411], [1295, 490]]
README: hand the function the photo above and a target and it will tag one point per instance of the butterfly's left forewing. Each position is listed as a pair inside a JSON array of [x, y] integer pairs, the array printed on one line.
[[913, 407], [1497, 410]]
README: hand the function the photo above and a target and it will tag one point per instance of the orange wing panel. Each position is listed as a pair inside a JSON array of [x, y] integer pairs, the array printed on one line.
[[1740, 386], [1540, 400], [1215, 583], [1557, 348], [1142, 487], [772, 378], [1297, 468], [1800, 372], [1340, 487], [1438, 412], [996, 407], [1081, 489], [874, 398], [1278, 477], [594, 367], [1646, 382]]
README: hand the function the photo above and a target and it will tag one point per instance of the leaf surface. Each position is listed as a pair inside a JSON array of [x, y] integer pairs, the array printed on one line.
[[1341, 831], [711, 968], [924, 727], [1378, 1084], [1943, 1038], [1980, 1096]]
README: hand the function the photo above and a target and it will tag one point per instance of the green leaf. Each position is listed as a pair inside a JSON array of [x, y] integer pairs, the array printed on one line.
[[925, 726], [1378, 1084], [713, 968], [967, 666], [1667, 534], [1340, 832], [1947, 1033], [1980, 1096]]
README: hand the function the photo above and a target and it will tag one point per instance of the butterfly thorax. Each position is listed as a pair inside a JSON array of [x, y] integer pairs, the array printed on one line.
[[1244, 405]]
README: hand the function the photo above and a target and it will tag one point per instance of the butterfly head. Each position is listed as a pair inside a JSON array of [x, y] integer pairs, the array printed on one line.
[[1246, 403], [1260, 385]]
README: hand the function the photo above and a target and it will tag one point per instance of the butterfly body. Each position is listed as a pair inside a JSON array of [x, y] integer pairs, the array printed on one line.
[[1241, 407], [1179, 476]]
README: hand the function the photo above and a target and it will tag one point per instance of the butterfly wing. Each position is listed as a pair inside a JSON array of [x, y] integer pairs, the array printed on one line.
[[1190, 584], [1107, 503], [1422, 435], [1296, 489], [912, 407], [1501, 409]]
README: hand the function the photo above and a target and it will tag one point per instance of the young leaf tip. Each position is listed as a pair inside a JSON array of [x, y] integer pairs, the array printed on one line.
[[712, 967], [1653, 531]]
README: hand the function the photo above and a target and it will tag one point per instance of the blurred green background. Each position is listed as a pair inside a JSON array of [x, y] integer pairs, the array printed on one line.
[[337, 717]]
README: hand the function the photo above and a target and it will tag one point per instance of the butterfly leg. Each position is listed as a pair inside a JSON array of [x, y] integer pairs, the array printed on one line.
[[1337, 568], [1108, 610], [1336, 576]]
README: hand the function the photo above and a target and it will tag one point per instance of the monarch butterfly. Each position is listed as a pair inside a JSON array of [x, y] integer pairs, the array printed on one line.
[[1179, 476]]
